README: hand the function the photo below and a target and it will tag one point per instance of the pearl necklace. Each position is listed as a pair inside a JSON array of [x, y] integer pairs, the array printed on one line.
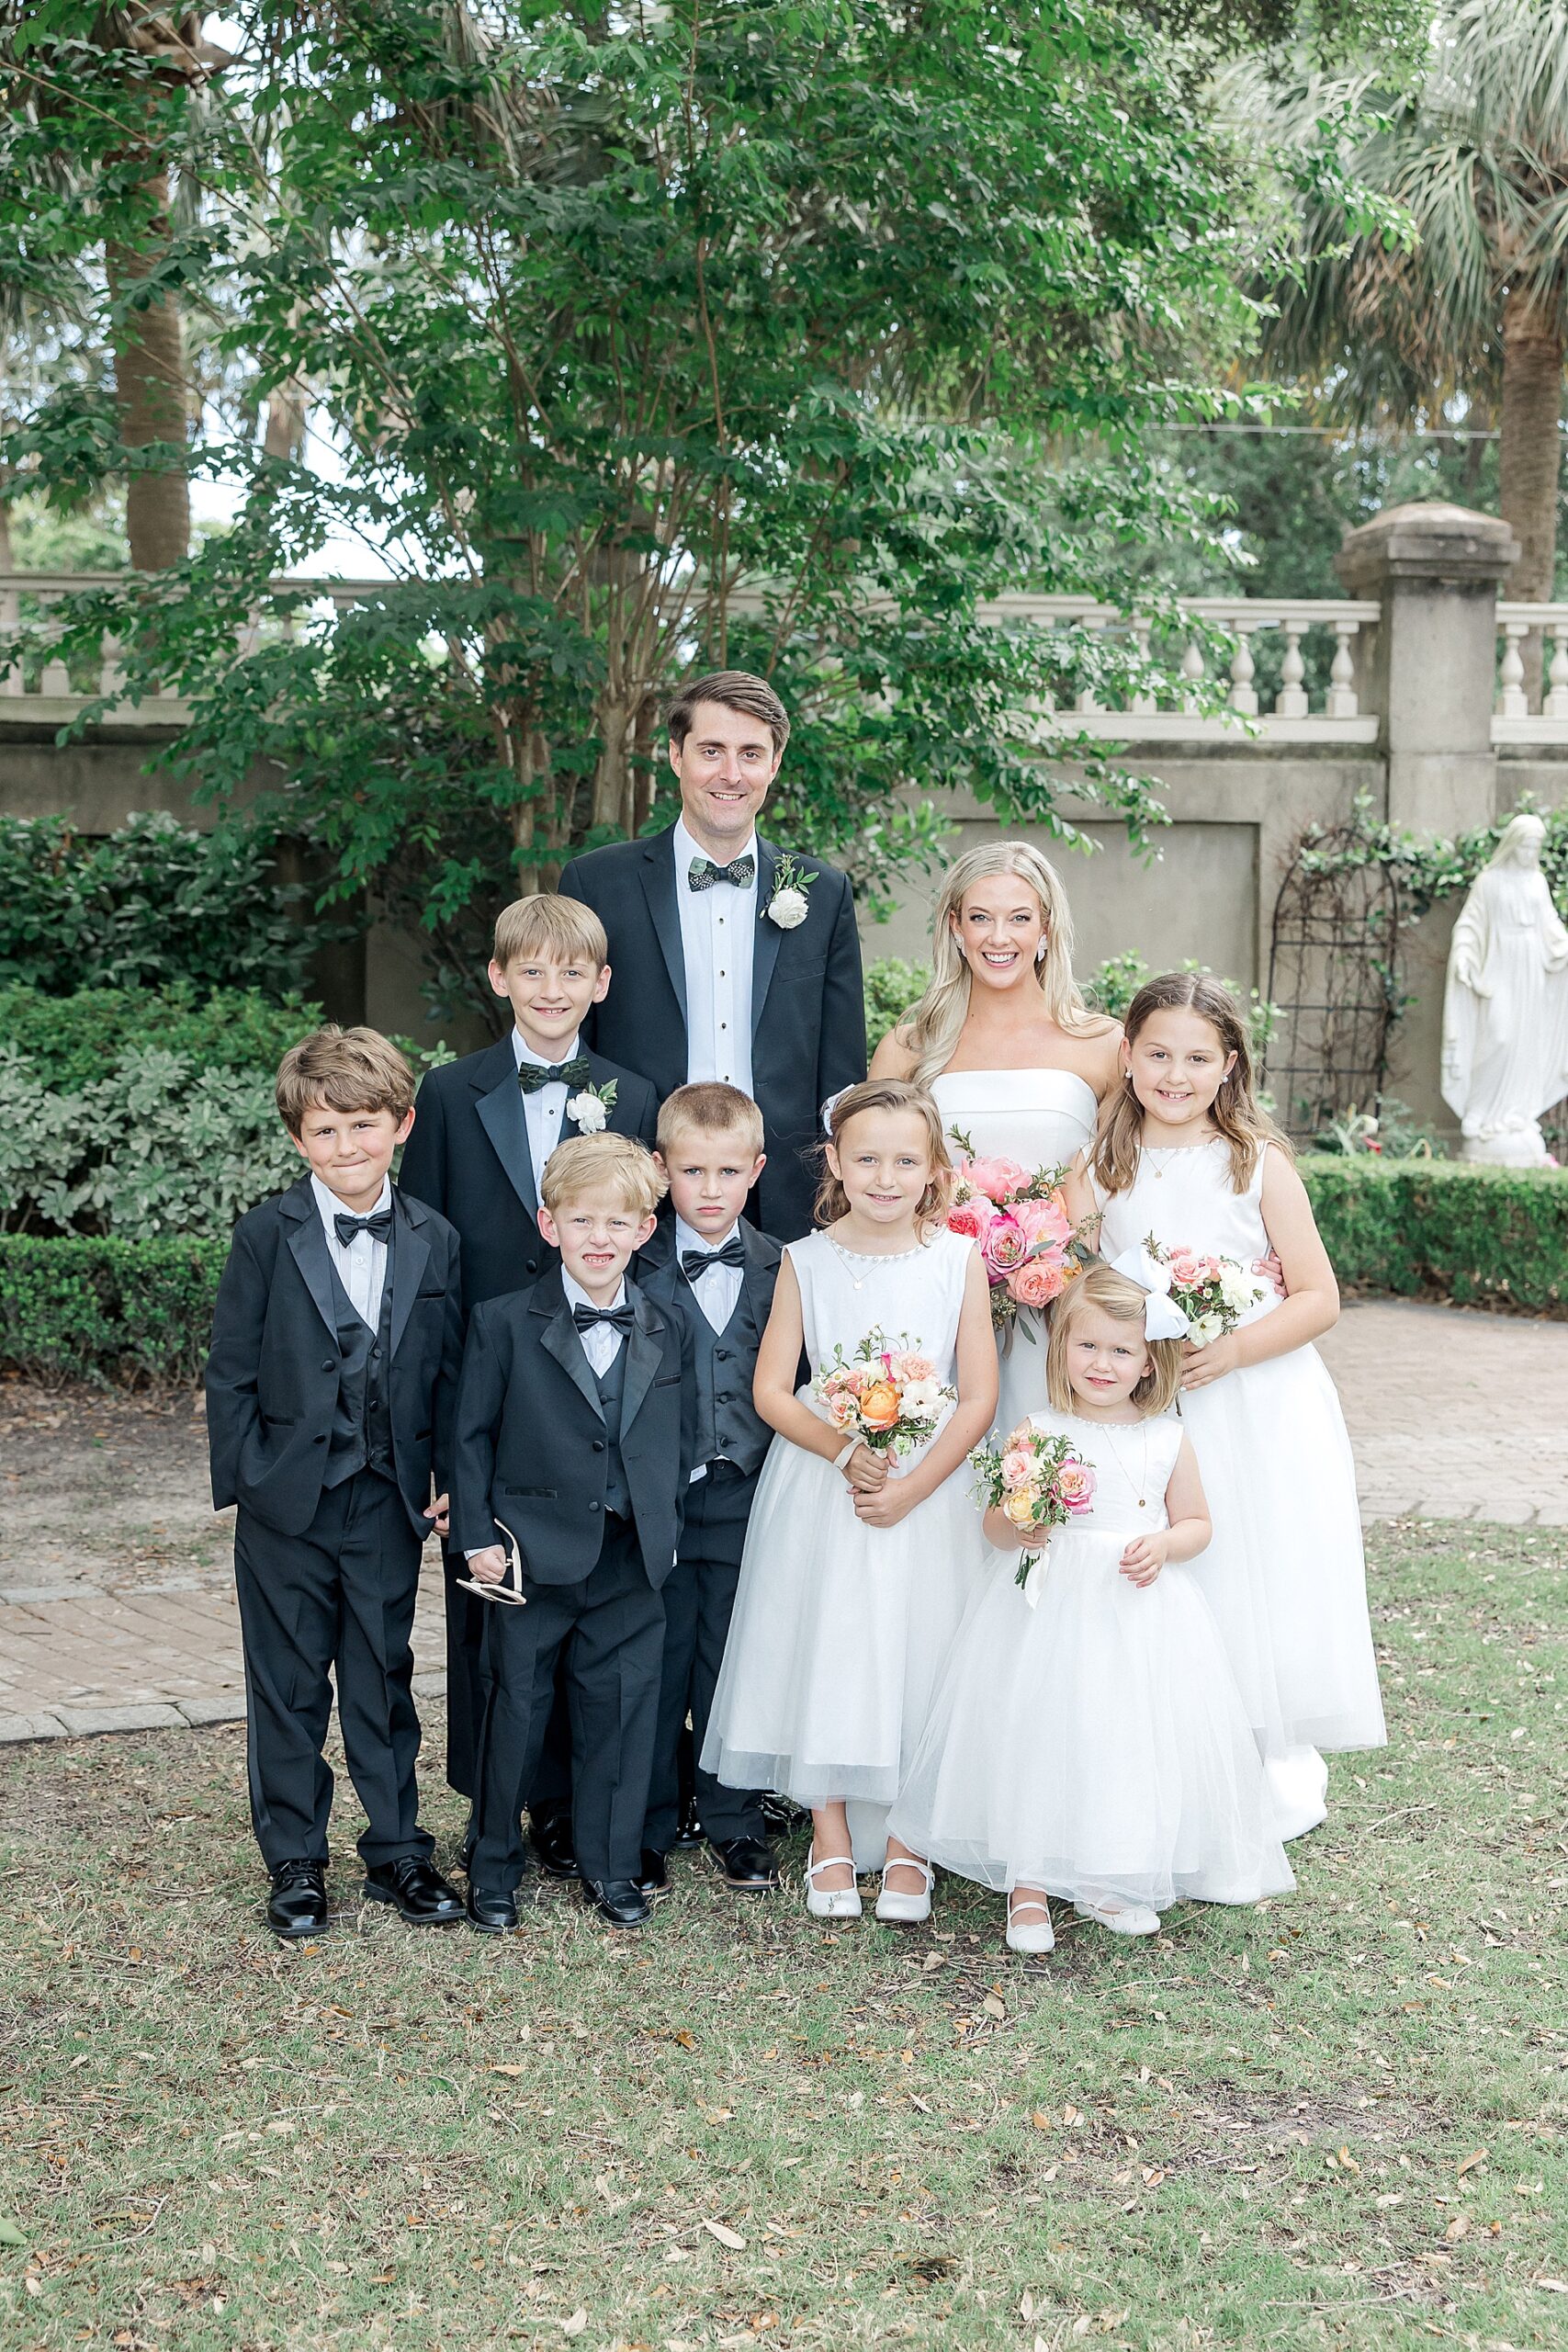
[[851, 1258]]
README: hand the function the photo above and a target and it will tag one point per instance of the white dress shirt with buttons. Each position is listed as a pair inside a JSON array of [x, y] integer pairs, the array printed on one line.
[[602, 1343], [717, 936], [544, 1111], [362, 1264], [715, 1289]]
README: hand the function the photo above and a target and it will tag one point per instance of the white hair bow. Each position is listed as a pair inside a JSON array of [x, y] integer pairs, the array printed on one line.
[[1163, 1319]]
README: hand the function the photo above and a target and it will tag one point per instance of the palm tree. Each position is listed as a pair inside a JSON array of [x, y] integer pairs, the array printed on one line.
[[1476, 302]]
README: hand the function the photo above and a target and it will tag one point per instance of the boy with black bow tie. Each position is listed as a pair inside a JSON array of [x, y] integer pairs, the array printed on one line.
[[718, 1271], [575, 1430], [336, 1342]]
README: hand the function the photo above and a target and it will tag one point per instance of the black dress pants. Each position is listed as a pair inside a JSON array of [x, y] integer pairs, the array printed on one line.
[[338, 1598], [699, 1600], [550, 1796], [607, 1633]]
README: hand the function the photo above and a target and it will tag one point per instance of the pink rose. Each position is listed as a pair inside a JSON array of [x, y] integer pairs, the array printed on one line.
[[1183, 1266], [1017, 1470], [1046, 1222], [1003, 1246], [918, 1368], [970, 1218], [1038, 1282], [1020, 1436], [1075, 1486], [842, 1410], [996, 1178]]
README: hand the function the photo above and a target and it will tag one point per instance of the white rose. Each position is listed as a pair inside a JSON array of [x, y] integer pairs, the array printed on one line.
[[1236, 1288], [787, 909], [587, 1113], [922, 1399], [1207, 1327]]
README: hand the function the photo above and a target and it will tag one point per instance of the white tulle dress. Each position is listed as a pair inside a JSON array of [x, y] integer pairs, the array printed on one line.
[[1285, 1575], [840, 1631], [1041, 1118], [1096, 1745]]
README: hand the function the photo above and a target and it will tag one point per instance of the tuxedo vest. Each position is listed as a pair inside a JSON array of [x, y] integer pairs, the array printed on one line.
[[611, 1386], [729, 1427], [362, 1415]]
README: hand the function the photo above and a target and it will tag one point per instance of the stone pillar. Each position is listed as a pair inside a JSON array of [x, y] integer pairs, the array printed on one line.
[[1435, 570]]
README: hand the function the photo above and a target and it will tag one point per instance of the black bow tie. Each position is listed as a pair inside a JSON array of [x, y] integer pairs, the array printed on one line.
[[531, 1076], [702, 873], [697, 1261], [619, 1318], [377, 1225]]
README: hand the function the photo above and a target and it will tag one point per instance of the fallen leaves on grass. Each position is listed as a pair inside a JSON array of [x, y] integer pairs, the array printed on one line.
[[725, 2237]]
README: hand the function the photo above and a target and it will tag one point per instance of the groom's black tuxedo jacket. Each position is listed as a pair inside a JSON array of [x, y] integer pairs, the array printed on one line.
[[530, 1446], [468, 1159], [807, 1000], [272, 1375]]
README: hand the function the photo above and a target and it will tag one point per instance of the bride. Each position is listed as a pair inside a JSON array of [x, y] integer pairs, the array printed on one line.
[[1003, 1040]]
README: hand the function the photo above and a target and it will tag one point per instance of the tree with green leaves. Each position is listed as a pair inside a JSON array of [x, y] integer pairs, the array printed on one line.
[[783, 333]]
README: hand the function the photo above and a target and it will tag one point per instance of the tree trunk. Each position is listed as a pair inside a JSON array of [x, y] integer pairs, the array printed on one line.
[[149, 395], [286, 411], [1531, 457]]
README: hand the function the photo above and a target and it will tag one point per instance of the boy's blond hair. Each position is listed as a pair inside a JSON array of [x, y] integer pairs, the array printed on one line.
[[617, 1164], [342, 1070], [1124, 1302], [709, 1107], [544, 924]]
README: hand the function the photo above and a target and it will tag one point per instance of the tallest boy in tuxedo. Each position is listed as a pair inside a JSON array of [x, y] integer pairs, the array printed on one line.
[[734, 959]]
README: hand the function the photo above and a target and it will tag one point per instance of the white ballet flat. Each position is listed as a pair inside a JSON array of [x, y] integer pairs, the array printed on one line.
[[831, 1902], [1121, 1918], [1036, 1937], [905, 1910]]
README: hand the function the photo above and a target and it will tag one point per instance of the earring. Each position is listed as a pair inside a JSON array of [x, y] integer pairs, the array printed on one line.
[[1041, 951]]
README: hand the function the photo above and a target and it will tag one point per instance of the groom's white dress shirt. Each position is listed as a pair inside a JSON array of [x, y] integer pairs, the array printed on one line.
[[544, 1111], [717, 934], [362, 1262]]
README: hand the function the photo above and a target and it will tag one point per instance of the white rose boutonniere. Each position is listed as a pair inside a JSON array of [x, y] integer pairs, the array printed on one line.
[[590, 1111], [787, 905]]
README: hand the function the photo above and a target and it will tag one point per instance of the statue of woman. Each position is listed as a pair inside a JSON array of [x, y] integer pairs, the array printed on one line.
[[1506, 1008]]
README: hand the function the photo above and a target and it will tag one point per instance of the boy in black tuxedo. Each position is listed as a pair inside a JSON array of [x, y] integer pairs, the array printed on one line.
[[582, 1382], [718, 1271], [487, 1127], [336, 1345]]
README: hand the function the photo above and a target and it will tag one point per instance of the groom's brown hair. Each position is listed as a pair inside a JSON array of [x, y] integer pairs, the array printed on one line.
[[736, 690]]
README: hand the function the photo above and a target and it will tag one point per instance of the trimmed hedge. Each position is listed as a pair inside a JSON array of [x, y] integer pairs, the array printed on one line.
[[133, 1311], [72, 1040], [1442, 1229]]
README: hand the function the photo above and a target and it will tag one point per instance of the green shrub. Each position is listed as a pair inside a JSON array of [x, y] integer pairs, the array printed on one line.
[[123, 1311], [1444, 1229], [72, 1040], [892, 986], [153, 905]]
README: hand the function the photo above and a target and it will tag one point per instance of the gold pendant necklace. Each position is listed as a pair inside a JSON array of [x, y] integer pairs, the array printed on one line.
[[1143, 1479]]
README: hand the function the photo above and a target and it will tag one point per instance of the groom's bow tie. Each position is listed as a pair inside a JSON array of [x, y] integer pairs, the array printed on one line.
[[620, 1318], [702, 873], [697, 1261], [377, 1225], [531, 1076]]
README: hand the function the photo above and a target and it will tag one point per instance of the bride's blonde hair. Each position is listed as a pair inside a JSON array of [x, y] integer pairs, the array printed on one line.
[[930, 1031]]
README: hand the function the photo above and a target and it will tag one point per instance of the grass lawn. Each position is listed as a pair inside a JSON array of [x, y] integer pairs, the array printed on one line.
[[1336, 2119]]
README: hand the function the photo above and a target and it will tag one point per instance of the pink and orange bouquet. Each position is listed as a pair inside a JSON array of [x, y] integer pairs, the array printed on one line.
[[1020, 1220], [1212, 1292], [888, 1397], [1037, 1480]]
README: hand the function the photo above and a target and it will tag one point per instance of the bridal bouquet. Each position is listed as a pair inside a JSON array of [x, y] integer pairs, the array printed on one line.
[[1212, 1292], [888, 1397], [1020, 1220], [1037, 1480]]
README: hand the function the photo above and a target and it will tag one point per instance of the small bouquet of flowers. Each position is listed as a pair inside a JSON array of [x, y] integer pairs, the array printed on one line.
[[1037, 1480], [888, 1397], [1020, 1222], [1212, 1292]]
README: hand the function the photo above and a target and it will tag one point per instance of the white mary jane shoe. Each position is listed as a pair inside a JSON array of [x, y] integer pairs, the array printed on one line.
[[831, 1902], [905, 1910], [1038, 1935], [1121, 1918]]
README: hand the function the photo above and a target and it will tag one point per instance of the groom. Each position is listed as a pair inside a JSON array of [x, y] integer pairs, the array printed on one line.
[[733, 959]]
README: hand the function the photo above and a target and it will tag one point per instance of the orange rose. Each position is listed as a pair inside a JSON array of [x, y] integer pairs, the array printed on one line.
[[879, 1405]]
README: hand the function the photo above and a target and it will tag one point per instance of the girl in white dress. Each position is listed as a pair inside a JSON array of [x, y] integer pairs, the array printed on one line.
[[1185, 1155], [1090, 1740], [1005, 1043], [856, 1572]]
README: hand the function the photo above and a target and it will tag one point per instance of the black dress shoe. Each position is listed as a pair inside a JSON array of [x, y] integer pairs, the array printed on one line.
[[653, 1878], [550, 1838], [493, 1915], [747, 1864], [781, 1815], [690, 1831], [621, 1901], [417, 1889], [466, 1851], [297, 1904]]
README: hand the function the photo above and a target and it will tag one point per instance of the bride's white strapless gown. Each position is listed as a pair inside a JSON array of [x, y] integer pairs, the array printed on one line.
[[1041, 1118]]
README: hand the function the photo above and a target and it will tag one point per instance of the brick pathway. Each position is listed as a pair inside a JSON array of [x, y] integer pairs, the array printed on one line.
[[117, 1601]]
